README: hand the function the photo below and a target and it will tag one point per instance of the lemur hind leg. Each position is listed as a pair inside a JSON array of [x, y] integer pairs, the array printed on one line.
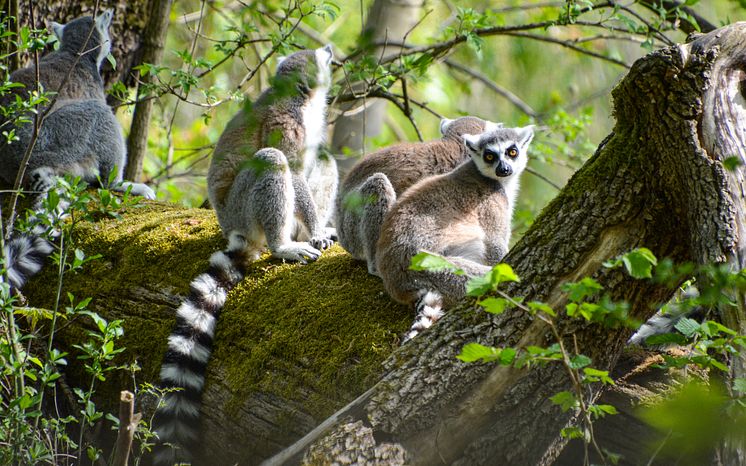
[[378, 196], [261, 202]]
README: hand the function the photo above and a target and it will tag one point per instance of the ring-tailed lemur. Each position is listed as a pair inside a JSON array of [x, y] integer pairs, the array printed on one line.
[[370, 189], [268, 185], [79, 136], [463, 215]]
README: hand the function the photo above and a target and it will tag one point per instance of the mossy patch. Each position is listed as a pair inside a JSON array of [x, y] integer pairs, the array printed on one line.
[[315, 334]]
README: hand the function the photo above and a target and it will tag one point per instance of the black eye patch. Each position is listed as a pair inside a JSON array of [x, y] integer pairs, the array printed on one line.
[[512, 151], [490, 155]]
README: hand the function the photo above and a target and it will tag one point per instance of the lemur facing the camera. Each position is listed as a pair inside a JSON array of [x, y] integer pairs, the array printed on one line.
[[269, 187], [463, 215], [370, 189], [79, 136]]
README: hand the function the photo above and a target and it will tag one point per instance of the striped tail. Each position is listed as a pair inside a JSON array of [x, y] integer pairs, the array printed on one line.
[[176, 419], [25, 255]]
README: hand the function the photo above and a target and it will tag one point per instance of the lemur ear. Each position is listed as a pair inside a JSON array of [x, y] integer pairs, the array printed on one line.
[[444, 123], [103, 21], [525, 135], [58, 29], [491, 126], [471, 141], [280, 59]]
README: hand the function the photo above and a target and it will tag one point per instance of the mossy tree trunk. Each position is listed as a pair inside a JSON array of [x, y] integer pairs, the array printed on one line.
[[657, 181]]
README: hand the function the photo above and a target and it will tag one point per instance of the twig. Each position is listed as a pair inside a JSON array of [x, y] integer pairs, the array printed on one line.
[[512, 98], [544, 178], [569, 45], [128, 421]]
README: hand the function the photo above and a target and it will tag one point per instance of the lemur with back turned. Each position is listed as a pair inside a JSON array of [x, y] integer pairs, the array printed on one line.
[[269, 186], [370, 189], [464, 215], [79, 136]]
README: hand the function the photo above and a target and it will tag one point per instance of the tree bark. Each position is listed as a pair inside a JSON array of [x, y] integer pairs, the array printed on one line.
[[152, 51], [657, 181], [295, 343], [387, 20]]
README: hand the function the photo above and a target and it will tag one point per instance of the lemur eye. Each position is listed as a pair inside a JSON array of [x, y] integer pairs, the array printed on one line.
[[512, 152], [489, 156]]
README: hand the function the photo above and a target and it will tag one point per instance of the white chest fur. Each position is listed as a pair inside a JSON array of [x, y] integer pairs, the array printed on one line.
[[314, 124]]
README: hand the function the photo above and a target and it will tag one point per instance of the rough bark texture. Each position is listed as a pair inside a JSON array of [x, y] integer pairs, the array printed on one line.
[[387, 20], [656, 181], [154, 38]]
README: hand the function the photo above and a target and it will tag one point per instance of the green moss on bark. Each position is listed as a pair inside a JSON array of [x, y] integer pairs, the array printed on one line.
[[315, 334]]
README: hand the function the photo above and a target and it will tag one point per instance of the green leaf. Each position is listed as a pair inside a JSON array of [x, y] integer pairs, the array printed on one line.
[[474, 352], [687, 326], [504, 273], [596, 375], [507, 356], [639, 262], [565, 400], [572, 432], [537, 306], [599, 411], [433, 263], [495, 305], [585, 288], [478, 286], [579, 361]]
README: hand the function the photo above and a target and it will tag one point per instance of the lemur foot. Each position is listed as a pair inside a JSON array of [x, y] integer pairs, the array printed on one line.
[[373, 270], [429, 308], [297, 251], [324, 241], [332, 233], [139, 189]]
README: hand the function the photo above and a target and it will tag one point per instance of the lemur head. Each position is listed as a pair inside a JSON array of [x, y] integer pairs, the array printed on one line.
[[465, 125], [500, 153], [309, 69], [73, 35]]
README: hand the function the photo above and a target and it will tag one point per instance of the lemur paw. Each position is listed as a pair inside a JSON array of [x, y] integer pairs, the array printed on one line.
[[139, 189], [296, 251], [331, 232], [373, 270], [323, 242]]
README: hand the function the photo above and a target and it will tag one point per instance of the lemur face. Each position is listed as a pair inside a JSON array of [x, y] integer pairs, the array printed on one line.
[[500, 153]]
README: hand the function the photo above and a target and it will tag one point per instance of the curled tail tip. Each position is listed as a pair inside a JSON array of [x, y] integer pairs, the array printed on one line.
[[429, 309]]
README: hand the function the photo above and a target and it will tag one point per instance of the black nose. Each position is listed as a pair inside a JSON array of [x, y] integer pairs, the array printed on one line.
[[503, 169]]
